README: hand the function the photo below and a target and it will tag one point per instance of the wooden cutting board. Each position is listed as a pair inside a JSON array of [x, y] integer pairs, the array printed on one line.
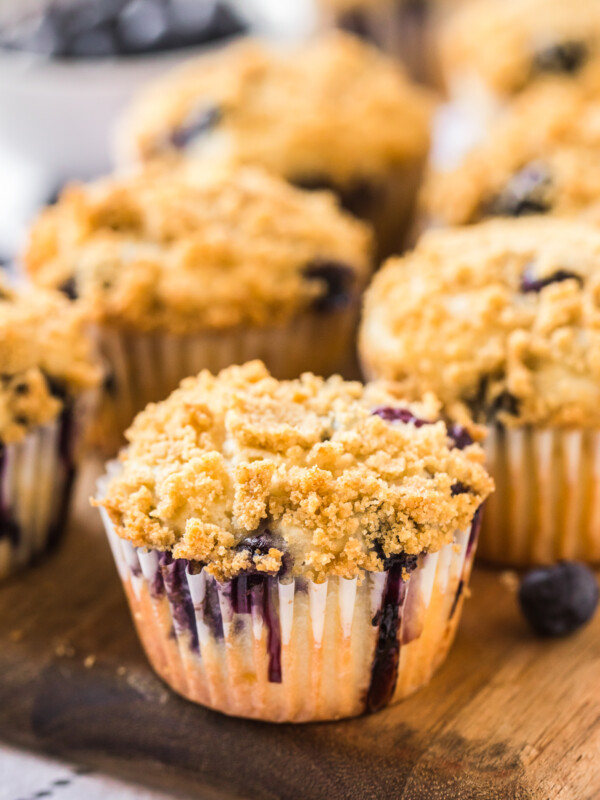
[[508, 716]]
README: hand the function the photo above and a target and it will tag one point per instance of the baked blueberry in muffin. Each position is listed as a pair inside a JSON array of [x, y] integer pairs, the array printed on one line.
[[493, 51], [541, 158], [180, 269], [317, 535], [499, 320], [340, 116], [47, 371]]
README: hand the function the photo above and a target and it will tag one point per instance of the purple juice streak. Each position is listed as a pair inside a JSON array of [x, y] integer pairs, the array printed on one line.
[[271, 617], [475, 530], [384, 674], [258, 593], [178, 593], [459, 591], [8, 527], [211, 609], [66, 448], [473, 536]]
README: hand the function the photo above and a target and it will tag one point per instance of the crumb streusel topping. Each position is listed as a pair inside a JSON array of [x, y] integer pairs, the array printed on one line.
[[511, 44], [44, 359], [501, 317], [243, 473], [540, 158], [186, 249], [334, 108]]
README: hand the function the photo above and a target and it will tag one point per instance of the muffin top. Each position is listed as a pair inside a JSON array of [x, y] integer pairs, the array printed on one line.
[[188, 249], [334, 108], [312, 477], [540, 158], [44, 359], [509, 45], [501, 319]]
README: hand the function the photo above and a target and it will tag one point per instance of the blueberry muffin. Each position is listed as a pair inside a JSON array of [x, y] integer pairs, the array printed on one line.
[[500, 320], [294, 551], [332, 114], [407, 29], [47, 373], [541, 158], [492, 51], [179, 272]]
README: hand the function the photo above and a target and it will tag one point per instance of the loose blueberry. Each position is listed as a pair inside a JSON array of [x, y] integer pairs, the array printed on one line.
[[531, 284], [338, 284], [558, 600], [527, 192], [562, 58], [199, 123], [405, 415]]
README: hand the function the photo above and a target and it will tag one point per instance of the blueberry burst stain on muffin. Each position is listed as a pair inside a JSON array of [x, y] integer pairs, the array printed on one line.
[[498, 318], [176, 250], [45, 365], [257, 487], [540, 158], [509, 46], [341, 116]]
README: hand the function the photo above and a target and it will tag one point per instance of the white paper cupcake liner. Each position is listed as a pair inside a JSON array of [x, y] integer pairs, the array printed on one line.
[[547, 501], [294, 650], [147, 367], [36, 478]]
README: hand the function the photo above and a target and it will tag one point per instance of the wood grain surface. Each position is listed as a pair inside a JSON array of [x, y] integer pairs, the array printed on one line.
[[508, 716]]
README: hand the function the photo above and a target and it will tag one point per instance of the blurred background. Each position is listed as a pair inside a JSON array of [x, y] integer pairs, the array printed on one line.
[[68, 67]]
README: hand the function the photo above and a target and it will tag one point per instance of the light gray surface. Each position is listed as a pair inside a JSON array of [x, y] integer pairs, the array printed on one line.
[[28, 777]]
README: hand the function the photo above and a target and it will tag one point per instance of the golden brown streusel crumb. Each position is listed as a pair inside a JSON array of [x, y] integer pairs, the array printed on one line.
[[509, 45], [185, 249], [334, 108], [44, 357], [503, 317], [553, 129], [304, 462]]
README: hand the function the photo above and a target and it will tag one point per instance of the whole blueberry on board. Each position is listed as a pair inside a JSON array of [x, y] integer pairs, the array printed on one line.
[[558, 600]]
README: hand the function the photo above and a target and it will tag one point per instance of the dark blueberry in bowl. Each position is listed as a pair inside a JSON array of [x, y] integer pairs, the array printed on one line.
[[527, 192], [338, 281], [531, 284], [558, 600], [565, 58], [196, 125]]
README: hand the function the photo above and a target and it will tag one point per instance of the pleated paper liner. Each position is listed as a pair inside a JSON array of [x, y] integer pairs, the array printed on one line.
[[36, 479], [295, 650], [147, 367], [547, 501]]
